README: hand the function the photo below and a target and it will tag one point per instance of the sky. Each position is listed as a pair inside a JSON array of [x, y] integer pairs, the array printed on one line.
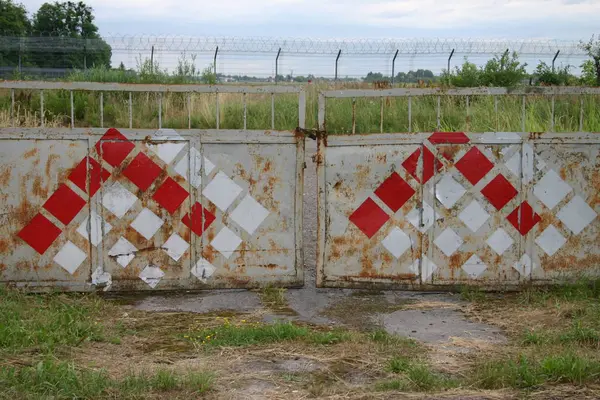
[[555, 19]]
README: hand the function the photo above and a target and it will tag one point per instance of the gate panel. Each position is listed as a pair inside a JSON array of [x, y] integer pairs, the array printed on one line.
[[370, 197], [250, 190], [145, 241], [43, 240], [477, 189], [566, 196], [165, 210]]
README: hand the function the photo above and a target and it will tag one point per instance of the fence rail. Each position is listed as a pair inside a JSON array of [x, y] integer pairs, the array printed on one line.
[[161, 90], [409, 93]]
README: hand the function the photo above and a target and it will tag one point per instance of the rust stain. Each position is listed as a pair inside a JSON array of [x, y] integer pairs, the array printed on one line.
[[31, 153], [362, 176], [5, 174], [535, 135], [238, 281], [2, 267], [375, 276], [449, 151], [49, 164], [4, 246], [39, 189], [267, 166], [458, 259], [381, 158], [569, 262]]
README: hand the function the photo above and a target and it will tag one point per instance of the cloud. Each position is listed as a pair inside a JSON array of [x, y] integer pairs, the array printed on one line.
[[362, 15]]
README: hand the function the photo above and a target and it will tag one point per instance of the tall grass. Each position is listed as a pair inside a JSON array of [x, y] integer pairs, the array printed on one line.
[[480, 117]]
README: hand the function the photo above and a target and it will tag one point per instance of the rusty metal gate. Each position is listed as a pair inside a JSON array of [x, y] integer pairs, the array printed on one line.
[[139, 209], [426, 211]]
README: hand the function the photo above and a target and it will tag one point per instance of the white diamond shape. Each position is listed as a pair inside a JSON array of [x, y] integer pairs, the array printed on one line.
[[474, 216], [514, 164], [118, 200], [193, 159], [500, 241], [524, 266], [167, 151], [208, 166], [96, 228], [203, 270], [474, 267], [448, 191], [551, 189], [249, 214], [175, 246], [550, 240], [448, 241], [122, 251], [147, 223], [222, 191], [226, 242], [70, 257], [576, 215], [428, 217], [427, 267], [151, 275], [397, 242]]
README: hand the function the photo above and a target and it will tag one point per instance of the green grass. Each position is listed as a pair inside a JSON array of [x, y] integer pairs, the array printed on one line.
[[528, 372], [63, 380], [44, 322], [248, 334], [414, 376]]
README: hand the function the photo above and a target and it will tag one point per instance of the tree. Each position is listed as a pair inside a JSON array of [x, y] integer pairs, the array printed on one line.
[[467, 75], [69, 20], [592, 48], [545, 75], [504, 71], [13, 19], [13, 22]]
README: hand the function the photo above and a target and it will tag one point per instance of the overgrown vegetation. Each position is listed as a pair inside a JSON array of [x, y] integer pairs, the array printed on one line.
[[554, 339]]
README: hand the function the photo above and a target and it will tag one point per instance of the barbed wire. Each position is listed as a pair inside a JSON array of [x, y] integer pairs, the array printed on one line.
[[421, 46]]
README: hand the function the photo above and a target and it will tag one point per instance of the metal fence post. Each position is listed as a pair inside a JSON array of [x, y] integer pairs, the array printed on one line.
[[450, 58], [215, 62], [152, 60], [276, 65], [336, 63], [554, 59], [394, 65]]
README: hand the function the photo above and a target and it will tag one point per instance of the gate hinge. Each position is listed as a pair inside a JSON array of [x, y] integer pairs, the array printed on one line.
[[310, 133]]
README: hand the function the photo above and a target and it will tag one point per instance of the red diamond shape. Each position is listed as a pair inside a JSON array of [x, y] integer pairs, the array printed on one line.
[[528, 218], [369, 217], [39, 233], [474, 165], [114, 147], [170, 195], [394, 191], [499, 191], [199, 219], [142, 171], [98, 175], [64, 204], [410, 164], [448, 137]]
